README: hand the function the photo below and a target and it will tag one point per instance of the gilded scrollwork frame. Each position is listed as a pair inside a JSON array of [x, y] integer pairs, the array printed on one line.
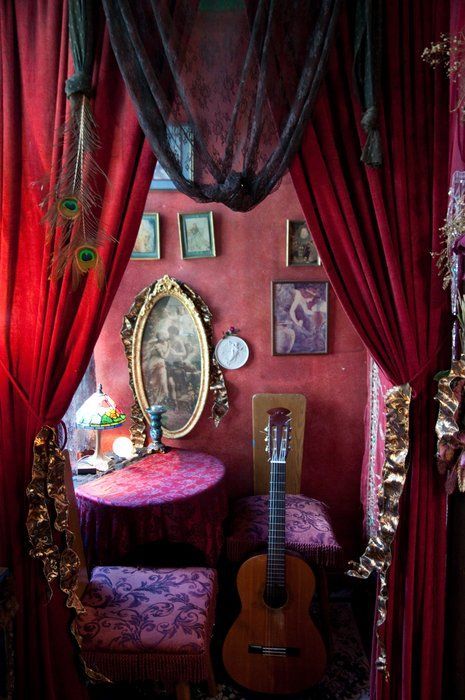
[[131, 335]]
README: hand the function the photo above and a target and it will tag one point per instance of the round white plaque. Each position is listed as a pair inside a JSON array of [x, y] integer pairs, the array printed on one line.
[[232, 352]]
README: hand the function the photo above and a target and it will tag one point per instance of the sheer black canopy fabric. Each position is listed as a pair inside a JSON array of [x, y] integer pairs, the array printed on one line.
[[81, 39], [242, 76]]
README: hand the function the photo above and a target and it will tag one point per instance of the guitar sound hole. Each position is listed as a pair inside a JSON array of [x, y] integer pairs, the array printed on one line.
[[275, 599]]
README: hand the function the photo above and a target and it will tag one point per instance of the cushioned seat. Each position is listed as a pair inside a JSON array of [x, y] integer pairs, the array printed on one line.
[[308, 529], [155, 621]]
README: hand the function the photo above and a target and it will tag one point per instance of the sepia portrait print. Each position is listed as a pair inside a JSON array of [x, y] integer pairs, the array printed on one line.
[[171, 361], [147, 245], [300, 247], [299, 318], [196, 235]]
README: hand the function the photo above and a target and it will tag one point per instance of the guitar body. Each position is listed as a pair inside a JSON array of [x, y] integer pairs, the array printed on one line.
[[275, 650]]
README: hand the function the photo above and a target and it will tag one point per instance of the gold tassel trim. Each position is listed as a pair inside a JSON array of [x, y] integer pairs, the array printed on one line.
[[38, 522], [377, 555], [62, 563], [48, 487], [451, 439]]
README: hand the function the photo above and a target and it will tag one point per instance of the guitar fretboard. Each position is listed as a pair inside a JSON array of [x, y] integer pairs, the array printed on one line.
[[275, 587]]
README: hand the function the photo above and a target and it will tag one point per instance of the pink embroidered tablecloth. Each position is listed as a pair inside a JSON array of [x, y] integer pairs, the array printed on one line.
[[178, 497]]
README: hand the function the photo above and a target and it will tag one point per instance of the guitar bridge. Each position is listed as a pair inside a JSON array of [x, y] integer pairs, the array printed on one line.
[[273, 651]]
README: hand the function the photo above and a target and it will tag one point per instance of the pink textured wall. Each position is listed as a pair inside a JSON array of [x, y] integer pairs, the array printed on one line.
[[236, 287]]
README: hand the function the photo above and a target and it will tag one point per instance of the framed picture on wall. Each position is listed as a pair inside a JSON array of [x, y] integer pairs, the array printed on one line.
[[147, 245], [196, 235], [300, 247], [180, 139], [299, 318]]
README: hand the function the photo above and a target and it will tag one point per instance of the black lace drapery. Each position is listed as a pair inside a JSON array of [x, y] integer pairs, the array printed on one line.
[[243, 77], [367, 35]]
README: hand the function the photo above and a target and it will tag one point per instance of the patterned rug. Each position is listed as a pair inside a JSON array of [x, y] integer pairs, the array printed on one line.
[[347, 677]]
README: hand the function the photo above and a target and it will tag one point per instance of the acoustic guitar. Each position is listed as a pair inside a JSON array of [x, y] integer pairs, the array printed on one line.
[[274, 647]]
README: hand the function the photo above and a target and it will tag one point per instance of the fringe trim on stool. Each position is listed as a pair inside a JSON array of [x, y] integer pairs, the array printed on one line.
[[323, 555], [166, 668]]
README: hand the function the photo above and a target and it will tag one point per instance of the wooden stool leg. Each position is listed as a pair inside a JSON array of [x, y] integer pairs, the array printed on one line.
[[183, 691], [323, 597], [212, 687]]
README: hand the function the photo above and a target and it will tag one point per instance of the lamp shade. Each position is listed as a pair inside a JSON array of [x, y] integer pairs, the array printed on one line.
[[99, 412]]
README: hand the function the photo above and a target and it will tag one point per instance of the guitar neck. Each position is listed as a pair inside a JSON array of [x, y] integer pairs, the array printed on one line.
[[275, 587]]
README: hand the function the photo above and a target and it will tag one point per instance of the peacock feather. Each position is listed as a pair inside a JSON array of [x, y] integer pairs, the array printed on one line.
[[73, 206]]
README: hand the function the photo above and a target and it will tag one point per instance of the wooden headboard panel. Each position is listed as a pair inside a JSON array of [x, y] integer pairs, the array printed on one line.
[[261, 404]]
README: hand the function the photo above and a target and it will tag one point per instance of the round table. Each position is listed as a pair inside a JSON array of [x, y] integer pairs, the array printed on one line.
[[179, 496]]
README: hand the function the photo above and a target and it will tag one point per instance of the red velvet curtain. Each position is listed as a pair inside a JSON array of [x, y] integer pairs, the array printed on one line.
[[47, 330], [375, 230]]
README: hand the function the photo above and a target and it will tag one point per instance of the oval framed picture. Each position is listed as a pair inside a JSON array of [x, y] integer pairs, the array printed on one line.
[[169, 359]]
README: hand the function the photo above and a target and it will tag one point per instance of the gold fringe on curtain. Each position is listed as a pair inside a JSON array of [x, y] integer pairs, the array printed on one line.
[[59, 561], [451, 439], [377, 555], [43, 547]]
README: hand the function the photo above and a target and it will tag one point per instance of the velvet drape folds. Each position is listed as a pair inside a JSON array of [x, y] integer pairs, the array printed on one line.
[[375, 230], [47, 330]]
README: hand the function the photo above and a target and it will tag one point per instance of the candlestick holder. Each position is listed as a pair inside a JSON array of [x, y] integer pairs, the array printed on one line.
[[155, 413]]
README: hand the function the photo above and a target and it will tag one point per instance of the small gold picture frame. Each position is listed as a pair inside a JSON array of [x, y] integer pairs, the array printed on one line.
[[196, 235], [300, 246]]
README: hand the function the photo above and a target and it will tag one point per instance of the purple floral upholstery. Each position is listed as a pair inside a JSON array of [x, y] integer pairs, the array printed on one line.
[[308, 529], [148, 624]]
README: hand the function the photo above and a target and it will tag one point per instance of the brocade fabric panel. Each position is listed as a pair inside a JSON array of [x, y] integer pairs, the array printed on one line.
[[148, 623], [177, 497], [308, 529]]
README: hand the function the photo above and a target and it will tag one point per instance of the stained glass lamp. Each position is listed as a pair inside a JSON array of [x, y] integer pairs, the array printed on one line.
[[98, 412]]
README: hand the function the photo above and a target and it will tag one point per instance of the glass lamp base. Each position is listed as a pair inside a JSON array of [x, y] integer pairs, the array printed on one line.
[[98, 460]]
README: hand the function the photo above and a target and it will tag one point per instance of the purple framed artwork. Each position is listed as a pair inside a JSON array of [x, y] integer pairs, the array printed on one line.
[[299, 320]]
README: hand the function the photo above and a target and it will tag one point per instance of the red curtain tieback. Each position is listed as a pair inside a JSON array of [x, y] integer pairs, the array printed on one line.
[[21, 393], [420, 380]]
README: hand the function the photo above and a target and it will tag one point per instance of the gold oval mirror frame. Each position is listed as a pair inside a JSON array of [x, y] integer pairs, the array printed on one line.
[[167, 336]]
